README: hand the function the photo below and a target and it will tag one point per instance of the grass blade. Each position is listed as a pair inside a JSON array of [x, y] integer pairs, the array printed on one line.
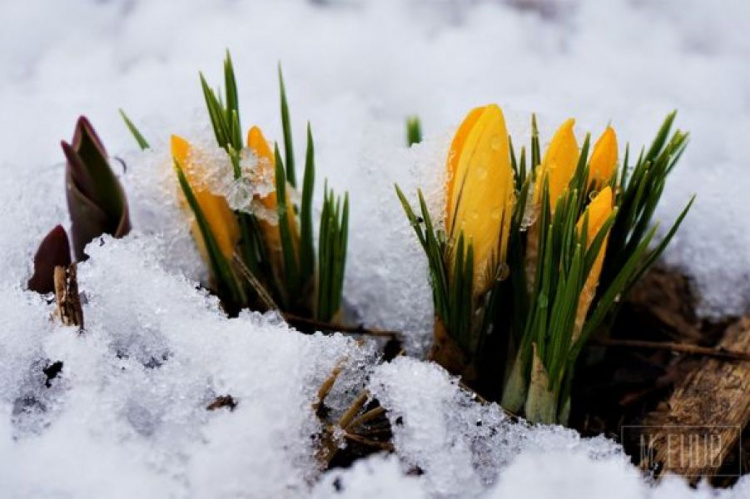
[[142, 143], [287, 128], [307, 250]]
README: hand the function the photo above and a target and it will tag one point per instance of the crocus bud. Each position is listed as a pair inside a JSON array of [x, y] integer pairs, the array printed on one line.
[[54, 251], [558, 165], [96, 200], [266, 165], [603, 161], [598, 213], [480, 191], [218, 214]]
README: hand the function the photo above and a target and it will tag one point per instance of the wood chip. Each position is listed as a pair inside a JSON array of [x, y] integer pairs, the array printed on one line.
[[699, 427]]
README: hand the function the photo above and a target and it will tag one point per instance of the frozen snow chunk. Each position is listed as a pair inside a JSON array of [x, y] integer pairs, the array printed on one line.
[[24, 321], [66, 461], [437, 428], [459, 443], [387, 280], [152, 190], [377, 476], [568, 475], [135, 386], [28, 384], [30, 206]]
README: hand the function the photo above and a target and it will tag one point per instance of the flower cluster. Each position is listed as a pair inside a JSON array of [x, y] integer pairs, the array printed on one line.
[[531, 261], [256, 260]]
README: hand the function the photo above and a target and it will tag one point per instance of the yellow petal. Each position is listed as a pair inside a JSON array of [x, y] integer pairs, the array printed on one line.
[[559, 164], [483, 194], [452, 164], [558, 167], [271, 235], [599, 210], [603, 160], [258, 144], [219, 215]]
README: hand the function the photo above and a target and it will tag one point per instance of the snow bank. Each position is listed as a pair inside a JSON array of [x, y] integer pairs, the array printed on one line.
[[452, 446], [127, 414]]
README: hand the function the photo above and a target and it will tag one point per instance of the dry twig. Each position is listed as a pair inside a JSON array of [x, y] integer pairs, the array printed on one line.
[[66, 296], [327, 326], [717, 353]]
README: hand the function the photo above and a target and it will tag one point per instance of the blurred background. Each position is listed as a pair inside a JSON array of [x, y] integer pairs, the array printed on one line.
[[357, 68]]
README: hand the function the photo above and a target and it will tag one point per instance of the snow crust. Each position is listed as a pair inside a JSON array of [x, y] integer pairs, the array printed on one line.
[[126, 416]]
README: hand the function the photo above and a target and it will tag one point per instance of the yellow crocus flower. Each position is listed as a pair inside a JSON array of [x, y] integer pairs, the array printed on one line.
[[603, 161], [266, 162], [216, 210], [558, 165], [598, 211], [480, 191], [452, 164]]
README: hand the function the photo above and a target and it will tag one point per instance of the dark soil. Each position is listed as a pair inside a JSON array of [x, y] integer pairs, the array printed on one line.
[[623, 386]]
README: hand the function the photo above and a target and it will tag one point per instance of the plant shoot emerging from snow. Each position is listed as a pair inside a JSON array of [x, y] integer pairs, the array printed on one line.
[[259, 247], [532, 261]]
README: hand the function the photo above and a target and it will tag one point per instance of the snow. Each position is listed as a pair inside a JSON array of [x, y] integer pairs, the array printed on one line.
[[460, 444], [127, 415], [373, 477], [134, 388]]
